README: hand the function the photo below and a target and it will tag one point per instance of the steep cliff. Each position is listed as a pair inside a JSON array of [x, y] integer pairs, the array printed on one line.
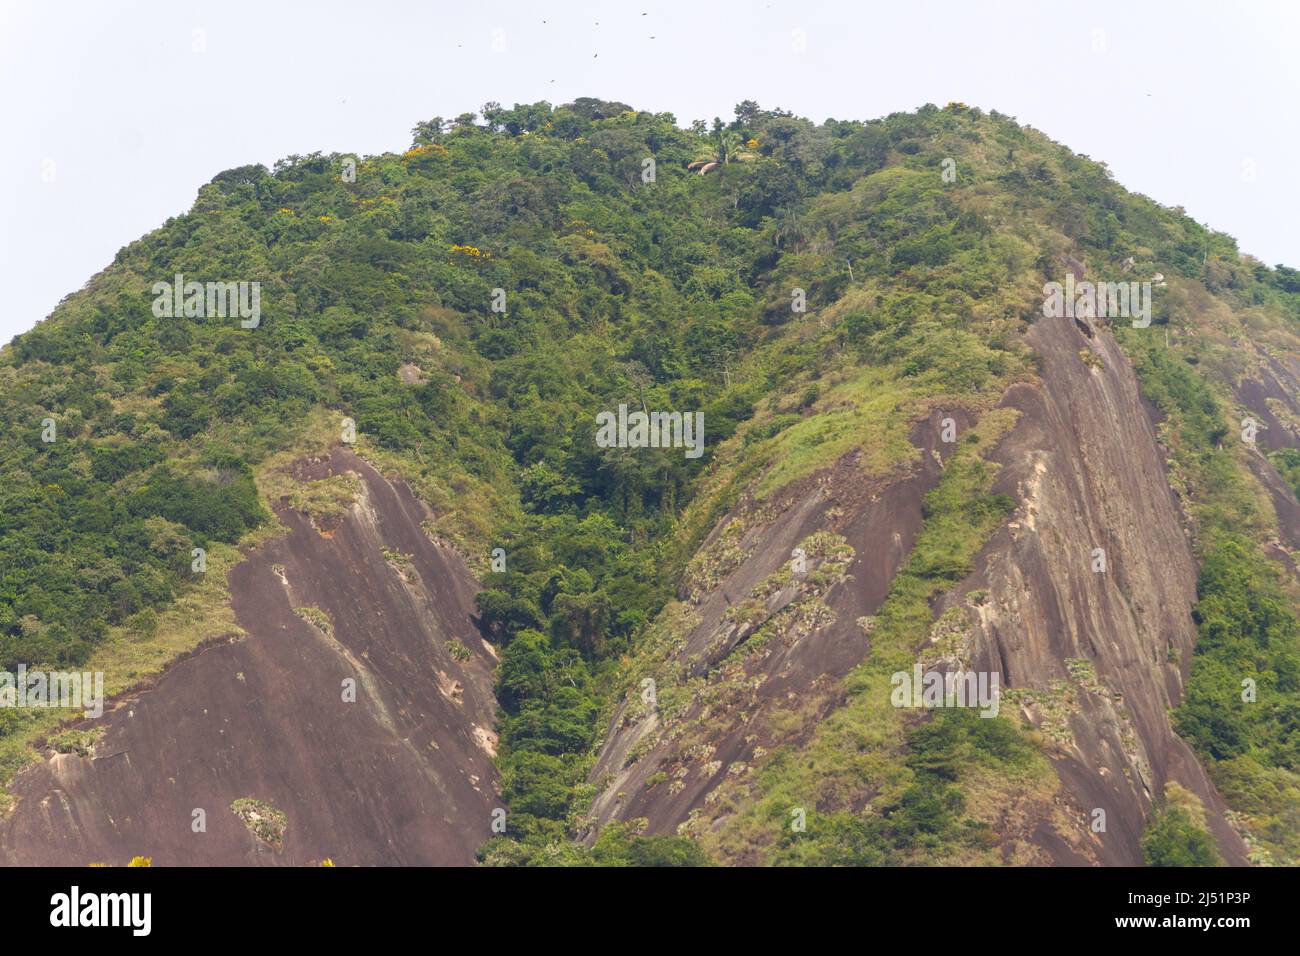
[[1081, 602], [1090, 591], [366, 718], [663, 653]]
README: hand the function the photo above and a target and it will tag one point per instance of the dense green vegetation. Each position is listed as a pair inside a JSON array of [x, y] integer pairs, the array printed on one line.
[[1242, 707], [1287, 463], [473, 302], [1175, 839], [926, 820], [619, 844], [1177, 835]]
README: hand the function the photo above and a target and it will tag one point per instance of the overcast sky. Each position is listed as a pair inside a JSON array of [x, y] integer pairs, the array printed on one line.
[[113, 114]]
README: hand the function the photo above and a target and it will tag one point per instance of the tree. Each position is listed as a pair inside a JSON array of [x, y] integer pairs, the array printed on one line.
[[1174, 839], [430, 131], [723, 147], [747, 111], [789, 227]]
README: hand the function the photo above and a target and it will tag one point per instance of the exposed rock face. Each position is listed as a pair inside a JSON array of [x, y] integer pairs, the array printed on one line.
[[818, 639], [1085, 467], [403, 775], [1269, 393], [1094, 659]]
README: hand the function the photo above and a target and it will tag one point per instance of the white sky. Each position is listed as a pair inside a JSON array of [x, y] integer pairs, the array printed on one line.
[[1184, 100]]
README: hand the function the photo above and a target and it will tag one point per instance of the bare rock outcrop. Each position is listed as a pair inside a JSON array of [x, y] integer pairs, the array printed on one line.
[[402, 775], [1090, 589], [857, 531]]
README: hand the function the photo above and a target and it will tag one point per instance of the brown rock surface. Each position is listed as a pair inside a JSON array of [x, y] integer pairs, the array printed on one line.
[[879, 519], [401, 776], [1085, 467]]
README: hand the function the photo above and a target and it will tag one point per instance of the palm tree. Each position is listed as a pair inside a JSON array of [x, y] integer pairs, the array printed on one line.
[[789, 226], [725, 146]]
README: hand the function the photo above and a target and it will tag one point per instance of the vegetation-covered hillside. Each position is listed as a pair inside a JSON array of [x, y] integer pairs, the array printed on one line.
[[472, 304]]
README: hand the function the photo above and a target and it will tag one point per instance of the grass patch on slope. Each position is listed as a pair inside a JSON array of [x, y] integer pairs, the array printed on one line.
[[141, 650], [128, 657], [871, 412]]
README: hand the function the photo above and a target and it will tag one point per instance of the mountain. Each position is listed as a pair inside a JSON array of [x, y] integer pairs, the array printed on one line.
[[343, 481]]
